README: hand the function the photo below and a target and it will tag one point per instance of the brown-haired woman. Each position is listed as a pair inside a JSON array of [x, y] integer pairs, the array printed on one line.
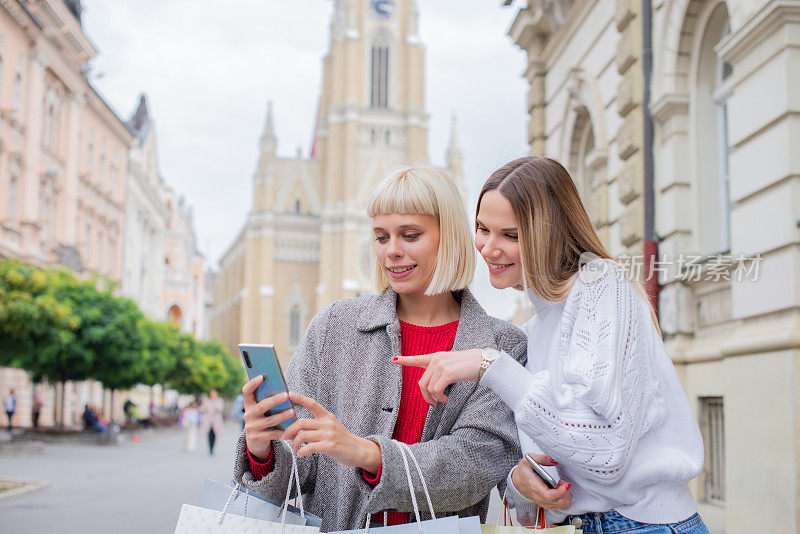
[[599, 392]]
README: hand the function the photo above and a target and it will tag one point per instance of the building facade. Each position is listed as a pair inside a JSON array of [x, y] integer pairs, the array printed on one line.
[[145, 218], [306, 240], [726, 203], [183, 298], [68, 195]]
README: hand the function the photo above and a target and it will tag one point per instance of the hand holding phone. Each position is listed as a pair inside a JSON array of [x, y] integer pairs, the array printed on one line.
[[539, 470], [262, 360]]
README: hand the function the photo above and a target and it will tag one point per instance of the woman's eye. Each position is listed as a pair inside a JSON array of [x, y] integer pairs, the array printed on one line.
[[512, 237], [381, 239], [483, 230], [411, 237]]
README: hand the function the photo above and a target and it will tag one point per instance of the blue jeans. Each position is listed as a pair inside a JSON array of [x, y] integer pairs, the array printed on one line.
[[613, 522]]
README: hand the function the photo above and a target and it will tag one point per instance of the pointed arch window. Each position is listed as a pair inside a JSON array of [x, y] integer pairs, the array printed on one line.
[[379, 95]]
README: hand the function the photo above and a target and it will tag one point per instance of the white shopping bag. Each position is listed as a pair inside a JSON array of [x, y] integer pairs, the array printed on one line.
[[215, 494], [195, 519], [444, 525]]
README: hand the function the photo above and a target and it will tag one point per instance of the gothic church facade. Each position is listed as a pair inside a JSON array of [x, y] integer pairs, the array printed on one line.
[[306, 241]]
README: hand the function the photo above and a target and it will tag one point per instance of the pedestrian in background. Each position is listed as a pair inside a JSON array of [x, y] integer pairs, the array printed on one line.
[[237, 412], [37, 408], [189, 419], [211, 418], [10, 402]]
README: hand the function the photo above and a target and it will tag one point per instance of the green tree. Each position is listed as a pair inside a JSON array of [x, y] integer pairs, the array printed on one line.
[[31, 319], [236, 376], [160, 353]]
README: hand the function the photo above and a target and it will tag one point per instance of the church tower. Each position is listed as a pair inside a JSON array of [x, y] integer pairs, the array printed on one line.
[[307, 239], [372, 118]]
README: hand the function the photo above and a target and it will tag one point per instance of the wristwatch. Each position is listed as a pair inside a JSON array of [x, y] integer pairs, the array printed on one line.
[[489, 356]]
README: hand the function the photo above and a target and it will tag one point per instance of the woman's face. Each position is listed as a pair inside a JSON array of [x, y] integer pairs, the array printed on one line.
[[496, 238], [406, 247]]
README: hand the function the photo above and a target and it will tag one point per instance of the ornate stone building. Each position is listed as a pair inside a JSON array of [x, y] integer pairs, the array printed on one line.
[[183, 298], [725, 207], [146, 215], [63, 159], [68, 195], [306, 240]]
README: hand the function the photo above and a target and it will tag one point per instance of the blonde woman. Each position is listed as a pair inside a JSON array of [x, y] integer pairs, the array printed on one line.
[[599, 392], [354, 404]]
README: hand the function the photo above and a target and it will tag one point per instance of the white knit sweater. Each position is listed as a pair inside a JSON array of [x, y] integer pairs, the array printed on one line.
[[600, 395]]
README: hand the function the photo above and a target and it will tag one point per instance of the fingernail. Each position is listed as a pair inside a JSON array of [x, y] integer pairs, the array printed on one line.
[[569, 486], [554, 462]]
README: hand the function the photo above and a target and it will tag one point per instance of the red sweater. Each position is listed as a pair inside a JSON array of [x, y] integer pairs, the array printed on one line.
[[414, 340]]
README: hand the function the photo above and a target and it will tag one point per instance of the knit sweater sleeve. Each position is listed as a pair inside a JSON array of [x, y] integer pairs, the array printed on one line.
[[591, 406]]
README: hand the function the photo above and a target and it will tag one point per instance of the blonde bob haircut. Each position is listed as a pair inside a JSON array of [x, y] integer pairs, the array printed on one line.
[[422, 190]]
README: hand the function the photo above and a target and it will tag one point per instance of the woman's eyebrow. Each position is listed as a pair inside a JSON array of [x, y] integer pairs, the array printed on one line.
[[512, 229], [401, 227]]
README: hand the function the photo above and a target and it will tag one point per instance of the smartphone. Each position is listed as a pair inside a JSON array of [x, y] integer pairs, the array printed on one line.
[[539, 470], [263, 360]]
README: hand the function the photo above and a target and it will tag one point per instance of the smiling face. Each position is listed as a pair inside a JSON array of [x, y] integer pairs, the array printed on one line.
[[407, 247], [496, 238]]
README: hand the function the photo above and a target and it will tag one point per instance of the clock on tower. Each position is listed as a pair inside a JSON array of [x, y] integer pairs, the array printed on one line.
[[383, 9]]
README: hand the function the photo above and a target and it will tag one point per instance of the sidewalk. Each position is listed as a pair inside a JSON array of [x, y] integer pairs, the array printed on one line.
[[132, 487]]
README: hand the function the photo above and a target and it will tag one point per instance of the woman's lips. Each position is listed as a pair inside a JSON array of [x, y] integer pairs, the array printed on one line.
[[499, 268], [401, 275]]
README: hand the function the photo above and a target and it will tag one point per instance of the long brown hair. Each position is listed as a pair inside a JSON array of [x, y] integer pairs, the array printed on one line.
[[554, 228]]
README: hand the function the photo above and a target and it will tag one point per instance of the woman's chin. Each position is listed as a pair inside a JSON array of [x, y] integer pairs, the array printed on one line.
[[498, 283]]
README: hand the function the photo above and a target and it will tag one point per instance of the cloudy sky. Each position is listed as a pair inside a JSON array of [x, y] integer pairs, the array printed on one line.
[[210, 66]]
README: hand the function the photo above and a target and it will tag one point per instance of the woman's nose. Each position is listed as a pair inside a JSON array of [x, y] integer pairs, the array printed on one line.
[[395, 248], [490, 248]]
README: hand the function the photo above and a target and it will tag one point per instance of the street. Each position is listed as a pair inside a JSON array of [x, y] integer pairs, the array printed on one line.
[[133, 487]]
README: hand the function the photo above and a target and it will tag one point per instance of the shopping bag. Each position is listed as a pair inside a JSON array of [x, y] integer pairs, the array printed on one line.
[[443, 525], [215, 493], [193, 519], [541, 527]]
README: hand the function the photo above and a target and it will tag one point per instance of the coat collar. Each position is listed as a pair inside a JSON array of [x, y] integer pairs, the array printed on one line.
[[474, 325]]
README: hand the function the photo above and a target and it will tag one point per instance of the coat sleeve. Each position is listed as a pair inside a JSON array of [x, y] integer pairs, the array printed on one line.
[[462, 467], [591, 409], [301, 377]]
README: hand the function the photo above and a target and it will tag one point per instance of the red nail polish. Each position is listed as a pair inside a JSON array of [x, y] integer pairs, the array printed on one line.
[[394, 358], [569, 486], [554, 462]]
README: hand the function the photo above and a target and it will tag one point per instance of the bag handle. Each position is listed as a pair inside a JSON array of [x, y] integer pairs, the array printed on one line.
[[405, 451], [231, 497], [294, 476], [422, 478]]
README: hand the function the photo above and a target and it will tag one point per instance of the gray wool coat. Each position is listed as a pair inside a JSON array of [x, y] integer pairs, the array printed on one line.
[[344, 362]]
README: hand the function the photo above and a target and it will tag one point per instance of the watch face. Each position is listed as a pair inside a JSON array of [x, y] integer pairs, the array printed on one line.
[[384, 9]]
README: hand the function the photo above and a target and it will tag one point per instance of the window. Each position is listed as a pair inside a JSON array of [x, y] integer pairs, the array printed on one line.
[[294, 326], [713, 429], [712, 90], [101, 172], [48, 126], [112, 264], [87, 237], [12, 198], [380, 76], [297, 206], [90, 156], [17, 102], [100, 250]]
